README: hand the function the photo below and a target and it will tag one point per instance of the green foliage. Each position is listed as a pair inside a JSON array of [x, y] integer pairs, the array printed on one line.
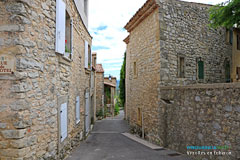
[[116, 109], [67, 50], [225, 14], [122, 81], [99, 113], [107, 91]]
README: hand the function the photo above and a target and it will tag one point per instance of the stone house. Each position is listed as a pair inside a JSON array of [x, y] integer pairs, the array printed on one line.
[[100, 89], [171, 45], [110, 84], [233, 38], [45, 77]]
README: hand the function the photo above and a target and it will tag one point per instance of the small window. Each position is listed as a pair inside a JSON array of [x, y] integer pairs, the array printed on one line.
[[135, 68], [86, 55], [181, 67], [139, 116], [238, 41], [200, 69], [89, 56], [68, 37]]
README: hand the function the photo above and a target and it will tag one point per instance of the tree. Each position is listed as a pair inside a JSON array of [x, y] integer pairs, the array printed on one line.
[[226, 14], [122, 81]]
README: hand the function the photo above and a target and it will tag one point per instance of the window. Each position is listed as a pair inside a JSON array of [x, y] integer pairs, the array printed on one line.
[[238, 41], [200, 69], [77, 110], [89, 56], [135, 68], [139, 116], [63, 121], [68, 37], [64, 30], [86, 54], [181, 67]]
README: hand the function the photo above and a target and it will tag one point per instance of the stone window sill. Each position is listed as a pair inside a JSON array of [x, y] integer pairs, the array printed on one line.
[[65, 60], [87, 70]]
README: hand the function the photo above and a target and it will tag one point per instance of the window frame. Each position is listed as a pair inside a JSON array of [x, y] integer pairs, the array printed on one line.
[[135, 70], [200, 77], [69, 55]]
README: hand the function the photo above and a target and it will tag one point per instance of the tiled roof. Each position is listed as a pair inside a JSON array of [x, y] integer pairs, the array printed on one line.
[[99, 68], [109, 84]]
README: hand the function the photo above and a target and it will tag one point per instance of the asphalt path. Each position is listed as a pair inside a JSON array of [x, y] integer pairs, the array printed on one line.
[[106, 142]]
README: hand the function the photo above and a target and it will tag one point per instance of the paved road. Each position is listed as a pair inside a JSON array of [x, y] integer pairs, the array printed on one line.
[[107, 143]]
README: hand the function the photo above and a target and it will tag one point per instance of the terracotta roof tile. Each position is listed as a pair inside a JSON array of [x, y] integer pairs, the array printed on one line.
[[99, 68]]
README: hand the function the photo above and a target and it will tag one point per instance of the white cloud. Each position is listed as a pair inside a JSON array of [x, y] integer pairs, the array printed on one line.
[[115, 14]]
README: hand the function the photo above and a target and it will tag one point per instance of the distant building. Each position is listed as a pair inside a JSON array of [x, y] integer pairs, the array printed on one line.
[[110, 84], [100, 90], [170, 44]]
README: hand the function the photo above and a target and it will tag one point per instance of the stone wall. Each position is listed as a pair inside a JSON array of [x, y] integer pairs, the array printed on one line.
[[43, 78], [142, 87], [201, 115], [185, 32], [99, 91]]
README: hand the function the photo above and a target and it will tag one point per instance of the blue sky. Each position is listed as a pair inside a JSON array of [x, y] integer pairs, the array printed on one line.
[[106, 21]]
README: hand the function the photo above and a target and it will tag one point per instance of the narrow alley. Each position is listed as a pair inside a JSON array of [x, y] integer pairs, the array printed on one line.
[[106, 142]]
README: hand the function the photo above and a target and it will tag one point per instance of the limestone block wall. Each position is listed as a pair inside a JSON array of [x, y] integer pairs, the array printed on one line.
[[201, 115], [99, 91], [184, 32], [143, 74], [42, 79]]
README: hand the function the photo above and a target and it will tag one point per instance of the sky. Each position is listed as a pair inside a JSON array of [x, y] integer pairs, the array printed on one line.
[[107, 19]]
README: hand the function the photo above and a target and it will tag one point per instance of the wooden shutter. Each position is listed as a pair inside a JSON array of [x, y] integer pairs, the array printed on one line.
[[63, 121], [87, 112], [200, 70], [86, 54], [60, 26], [77, 109]]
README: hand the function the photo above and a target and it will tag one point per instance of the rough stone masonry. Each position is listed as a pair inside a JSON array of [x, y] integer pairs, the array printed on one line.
[[41, 81], [167, 40]]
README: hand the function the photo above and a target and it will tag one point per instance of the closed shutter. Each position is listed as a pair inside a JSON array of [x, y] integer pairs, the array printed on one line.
[[63, 121], [60, 26], [77, 110], [200, 70], [86, 54]]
